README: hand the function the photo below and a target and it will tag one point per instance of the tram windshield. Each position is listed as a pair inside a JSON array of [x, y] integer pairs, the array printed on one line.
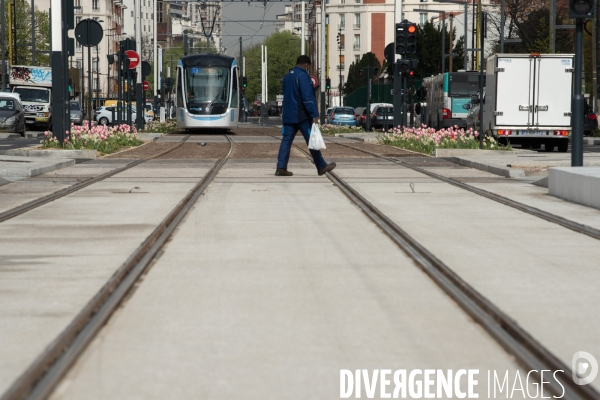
[[207, 85]]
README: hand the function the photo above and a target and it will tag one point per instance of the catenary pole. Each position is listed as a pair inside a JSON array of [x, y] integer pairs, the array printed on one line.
[[155, 50], [322, 62], [139, 116], [2, 47], [577, 135], [302, 33], [502, 22]]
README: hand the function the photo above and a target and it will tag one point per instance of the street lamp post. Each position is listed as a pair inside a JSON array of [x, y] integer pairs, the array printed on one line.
[[466, 4], [444, 55]]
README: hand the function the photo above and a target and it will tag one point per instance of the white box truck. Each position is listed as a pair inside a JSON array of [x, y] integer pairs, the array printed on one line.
[[34, 85], [528, 99]]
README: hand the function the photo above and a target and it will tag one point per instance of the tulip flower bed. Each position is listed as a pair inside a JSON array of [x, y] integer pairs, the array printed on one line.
[[100, 138], [328, 129], [160, 127], [426, 140]]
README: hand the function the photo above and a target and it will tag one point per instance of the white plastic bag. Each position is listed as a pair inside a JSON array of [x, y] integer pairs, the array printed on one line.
[[316, 142]]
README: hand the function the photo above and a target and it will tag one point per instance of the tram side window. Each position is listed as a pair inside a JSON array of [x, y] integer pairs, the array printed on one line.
[[234, 94], [179, 90]]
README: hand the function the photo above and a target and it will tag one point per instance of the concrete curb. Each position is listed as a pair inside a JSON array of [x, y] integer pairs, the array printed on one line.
[[493, 169], [592, 141], [579, 185], [149, 137], [13, 167], [447, 153], [80, 154], [10, 135]]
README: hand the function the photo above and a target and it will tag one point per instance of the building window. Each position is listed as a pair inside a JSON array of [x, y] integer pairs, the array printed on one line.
[[342, 1], [95, 84], [95, 5], [357, 20], [356, 42], [356, 58], [342, 42], [342, 20], [422, 19], [95, 65]]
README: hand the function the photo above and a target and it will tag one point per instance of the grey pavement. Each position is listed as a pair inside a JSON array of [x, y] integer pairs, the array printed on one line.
[[56, 257], [268, 289]]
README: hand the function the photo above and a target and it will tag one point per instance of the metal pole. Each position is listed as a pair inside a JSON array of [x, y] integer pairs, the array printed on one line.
[[451, 27], [465, 37], [303, 22], [240, 87], [552, 26], [89, 81], [481, 61], [473, 36], [502, 21], [443, 42], [139, 120], [57, 23], [119, 85], [155, 51], [322, 63], [32, 32], [2, 47], [576, 120]]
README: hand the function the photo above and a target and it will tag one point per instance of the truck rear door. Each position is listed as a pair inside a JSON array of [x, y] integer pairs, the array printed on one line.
[[553, 90], [514, 78]]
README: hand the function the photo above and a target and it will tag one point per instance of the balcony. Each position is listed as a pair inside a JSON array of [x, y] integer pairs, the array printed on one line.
[[341, 67], [356, 26]]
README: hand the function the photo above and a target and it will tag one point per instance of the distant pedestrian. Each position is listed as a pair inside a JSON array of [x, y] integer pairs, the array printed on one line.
[[299, 112]]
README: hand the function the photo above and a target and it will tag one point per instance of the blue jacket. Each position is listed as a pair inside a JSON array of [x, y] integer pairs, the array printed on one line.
[[299, 101]]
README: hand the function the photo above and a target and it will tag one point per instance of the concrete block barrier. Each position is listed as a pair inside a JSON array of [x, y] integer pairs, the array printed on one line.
[[579, 185]]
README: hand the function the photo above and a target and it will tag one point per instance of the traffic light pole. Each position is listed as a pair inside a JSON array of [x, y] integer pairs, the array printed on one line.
[[576, 116], [397, 95]]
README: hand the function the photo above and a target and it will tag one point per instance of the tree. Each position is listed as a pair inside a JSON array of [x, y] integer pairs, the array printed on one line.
[[283, 49], [354, 80], [429, 50], [24, 29]]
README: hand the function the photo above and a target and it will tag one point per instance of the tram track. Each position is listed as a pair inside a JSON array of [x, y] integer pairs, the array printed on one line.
[[43, 375], [8, 214], [528, 352], [564, 222]]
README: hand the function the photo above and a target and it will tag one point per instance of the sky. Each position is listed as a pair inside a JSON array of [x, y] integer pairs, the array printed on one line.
[[245, 11]]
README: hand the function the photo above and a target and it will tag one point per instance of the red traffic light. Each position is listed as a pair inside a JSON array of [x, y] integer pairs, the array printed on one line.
[[411, 29], [411, 73]]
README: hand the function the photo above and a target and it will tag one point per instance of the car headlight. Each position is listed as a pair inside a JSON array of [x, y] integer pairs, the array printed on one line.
[[10, 120]]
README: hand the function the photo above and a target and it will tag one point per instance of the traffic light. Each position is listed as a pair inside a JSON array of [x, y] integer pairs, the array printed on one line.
[[244, 82], [411, 77], [411, 38], [327, 83], [404, 66], [400, 38], [581, 9]]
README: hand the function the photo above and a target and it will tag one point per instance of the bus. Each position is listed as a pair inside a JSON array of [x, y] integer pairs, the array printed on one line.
[[445, 95]]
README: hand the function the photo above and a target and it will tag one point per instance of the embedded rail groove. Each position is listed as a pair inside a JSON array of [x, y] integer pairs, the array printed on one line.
[[6, 215], [566, 223], [42, 376], [528, 352]]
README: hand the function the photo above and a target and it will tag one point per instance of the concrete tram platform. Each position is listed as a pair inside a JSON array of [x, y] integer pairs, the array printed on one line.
[[270, 287], [576, 184], [19, 167]]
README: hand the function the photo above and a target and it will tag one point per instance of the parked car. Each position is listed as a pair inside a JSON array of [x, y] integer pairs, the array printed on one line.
[[103, 115], [76, 113], [328, 115], [382, 117], [473, 112], [590, 120], [362, 119], [150, 109], [343, 116], [12, 116]]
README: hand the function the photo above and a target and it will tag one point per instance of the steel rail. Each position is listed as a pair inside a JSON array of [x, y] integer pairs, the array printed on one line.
[[528, 352], [6, 215], [566, 223], [42, 376]]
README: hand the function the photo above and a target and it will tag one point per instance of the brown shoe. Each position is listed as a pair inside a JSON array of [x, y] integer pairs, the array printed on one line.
[[327, 168], [283, 172]]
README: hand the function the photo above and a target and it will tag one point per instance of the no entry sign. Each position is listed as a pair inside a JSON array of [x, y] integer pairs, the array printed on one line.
[[314, 81], [145, 85], [134, 58]]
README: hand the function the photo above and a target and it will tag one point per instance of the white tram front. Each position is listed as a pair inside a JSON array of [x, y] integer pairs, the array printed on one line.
[[207, 92]]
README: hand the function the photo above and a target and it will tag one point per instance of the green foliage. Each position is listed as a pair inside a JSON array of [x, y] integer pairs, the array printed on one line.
[[283, 49], [24, 30], [429, 50], [353, 81]]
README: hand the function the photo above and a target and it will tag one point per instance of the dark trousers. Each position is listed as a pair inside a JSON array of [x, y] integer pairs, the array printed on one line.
[[289, 133]]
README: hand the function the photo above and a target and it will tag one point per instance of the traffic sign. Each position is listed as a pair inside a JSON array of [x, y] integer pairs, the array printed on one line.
[[88, 32], [145, 85], [314, 81], [134, 58]]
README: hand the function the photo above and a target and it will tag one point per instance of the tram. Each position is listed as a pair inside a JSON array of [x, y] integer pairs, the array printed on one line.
[[207, 92]]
